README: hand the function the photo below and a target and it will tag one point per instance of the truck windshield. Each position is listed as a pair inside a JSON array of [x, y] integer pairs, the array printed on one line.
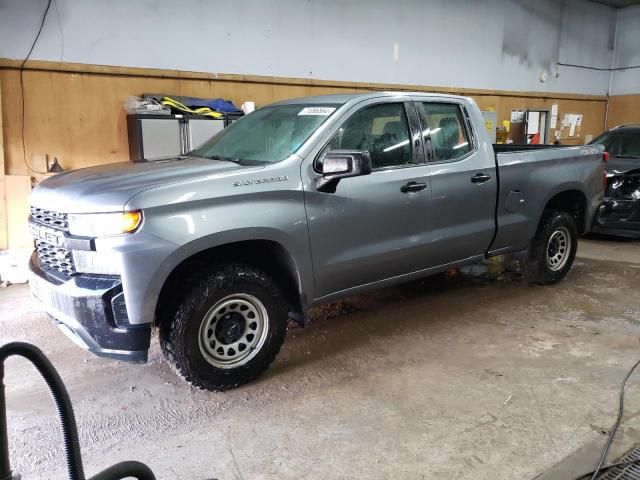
[[620, 144], [267, 135]]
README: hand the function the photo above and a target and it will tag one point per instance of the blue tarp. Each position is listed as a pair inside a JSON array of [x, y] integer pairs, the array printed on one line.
[[217, 104]]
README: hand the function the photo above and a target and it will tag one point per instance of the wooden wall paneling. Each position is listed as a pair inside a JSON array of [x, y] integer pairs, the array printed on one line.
[[111, 70], [623, 109], [260, 93], [18, 188], [4, 242], [592, 122], [79, 117], [14, 190], [593, 112], [11, 117]]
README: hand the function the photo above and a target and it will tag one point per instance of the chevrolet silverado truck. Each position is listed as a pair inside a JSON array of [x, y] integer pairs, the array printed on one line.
[[298, 203]]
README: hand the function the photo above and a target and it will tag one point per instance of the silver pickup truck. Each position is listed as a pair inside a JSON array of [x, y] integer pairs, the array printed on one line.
[[299, 203]]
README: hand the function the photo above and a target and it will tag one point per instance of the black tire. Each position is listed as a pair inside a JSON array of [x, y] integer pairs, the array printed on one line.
[[547, 263], [182, 331]]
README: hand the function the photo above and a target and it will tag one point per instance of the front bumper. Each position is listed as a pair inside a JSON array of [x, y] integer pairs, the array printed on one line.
[[90, 309], [618, 217]]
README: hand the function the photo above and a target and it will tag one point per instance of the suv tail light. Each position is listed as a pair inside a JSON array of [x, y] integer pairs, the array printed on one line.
[[605, 157]]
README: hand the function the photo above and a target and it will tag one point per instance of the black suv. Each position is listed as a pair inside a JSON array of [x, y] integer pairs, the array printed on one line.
[[619, 213]]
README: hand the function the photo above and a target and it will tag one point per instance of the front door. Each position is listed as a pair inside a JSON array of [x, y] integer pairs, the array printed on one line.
[[375, 226]]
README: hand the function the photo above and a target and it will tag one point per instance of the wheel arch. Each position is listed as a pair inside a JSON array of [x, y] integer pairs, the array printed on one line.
[[571, 199], [264, 252]]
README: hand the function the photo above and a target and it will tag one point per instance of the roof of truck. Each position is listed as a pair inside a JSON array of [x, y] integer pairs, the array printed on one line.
[[634, 127], [342, 98]]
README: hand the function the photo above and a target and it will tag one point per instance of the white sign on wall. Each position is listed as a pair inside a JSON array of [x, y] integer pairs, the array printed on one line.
[[517, 116]]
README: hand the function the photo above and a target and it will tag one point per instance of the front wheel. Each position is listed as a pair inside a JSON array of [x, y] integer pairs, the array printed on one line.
[[227, 329], [553, 249]]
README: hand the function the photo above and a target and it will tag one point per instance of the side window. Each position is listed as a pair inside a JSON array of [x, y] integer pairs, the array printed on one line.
[[383, 130], [449, 136], [631, 146]]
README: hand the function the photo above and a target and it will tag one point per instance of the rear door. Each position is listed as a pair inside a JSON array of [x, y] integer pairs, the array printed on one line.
[[463, 181], [373, 227]]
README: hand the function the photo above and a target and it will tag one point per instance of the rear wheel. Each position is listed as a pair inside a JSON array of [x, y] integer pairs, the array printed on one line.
[[553, 249], [227, 329]]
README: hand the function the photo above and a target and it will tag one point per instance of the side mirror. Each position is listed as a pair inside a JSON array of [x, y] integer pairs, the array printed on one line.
[[337, 164]]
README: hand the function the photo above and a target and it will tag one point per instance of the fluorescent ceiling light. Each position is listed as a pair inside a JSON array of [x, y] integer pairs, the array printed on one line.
[[427, 131], [397, 145]]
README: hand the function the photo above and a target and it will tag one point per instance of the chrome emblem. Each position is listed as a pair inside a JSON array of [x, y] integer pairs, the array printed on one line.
[[46, 234], [258, 181]]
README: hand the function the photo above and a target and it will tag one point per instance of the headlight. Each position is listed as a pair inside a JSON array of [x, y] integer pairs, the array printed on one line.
[[104, 224]]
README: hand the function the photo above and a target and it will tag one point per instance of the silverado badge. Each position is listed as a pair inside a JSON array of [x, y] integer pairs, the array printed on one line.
[[257, 181]]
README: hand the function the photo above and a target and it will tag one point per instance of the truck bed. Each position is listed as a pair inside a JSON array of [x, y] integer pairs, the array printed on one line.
[[529, 176]]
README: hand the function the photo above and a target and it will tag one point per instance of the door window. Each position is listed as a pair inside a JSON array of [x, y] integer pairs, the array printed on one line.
[[449, 137], [382, 130]]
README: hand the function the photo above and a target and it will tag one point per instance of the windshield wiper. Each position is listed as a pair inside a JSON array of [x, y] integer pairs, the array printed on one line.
[[240, 161], [224, 159]]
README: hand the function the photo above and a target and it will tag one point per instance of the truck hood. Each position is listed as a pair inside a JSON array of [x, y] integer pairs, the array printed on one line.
[[617, 166], [108, 187]]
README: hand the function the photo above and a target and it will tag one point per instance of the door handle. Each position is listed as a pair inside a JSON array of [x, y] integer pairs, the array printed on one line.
[[480, 178], [413, 187]]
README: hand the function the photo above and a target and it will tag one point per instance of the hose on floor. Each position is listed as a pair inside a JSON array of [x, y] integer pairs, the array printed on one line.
[[67, 419], [600, 468]]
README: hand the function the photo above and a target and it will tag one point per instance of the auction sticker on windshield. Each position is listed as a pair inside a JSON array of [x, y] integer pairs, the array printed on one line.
[[321, 111]]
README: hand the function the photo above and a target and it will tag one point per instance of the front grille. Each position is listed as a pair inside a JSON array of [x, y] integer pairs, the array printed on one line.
[[56, 258], [50, 218]]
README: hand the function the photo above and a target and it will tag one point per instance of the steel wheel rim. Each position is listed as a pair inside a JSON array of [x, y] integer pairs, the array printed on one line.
[[558, 249], [233, 331]]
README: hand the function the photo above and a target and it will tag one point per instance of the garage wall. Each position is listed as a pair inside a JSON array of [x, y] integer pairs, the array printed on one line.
[[281, 49], [92, 55], [3, 190], [489, 44], [624, 106], [79, 117], [627, 53]]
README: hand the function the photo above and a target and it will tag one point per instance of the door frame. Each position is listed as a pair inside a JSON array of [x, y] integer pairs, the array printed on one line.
[[413, 120], [546, 123]]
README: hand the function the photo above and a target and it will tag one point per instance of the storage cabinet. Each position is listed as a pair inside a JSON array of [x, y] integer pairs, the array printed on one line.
[[157, 136], [200, 130]]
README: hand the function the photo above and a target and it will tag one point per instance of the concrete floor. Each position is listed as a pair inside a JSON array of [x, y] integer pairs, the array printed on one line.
[[468, 379]]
